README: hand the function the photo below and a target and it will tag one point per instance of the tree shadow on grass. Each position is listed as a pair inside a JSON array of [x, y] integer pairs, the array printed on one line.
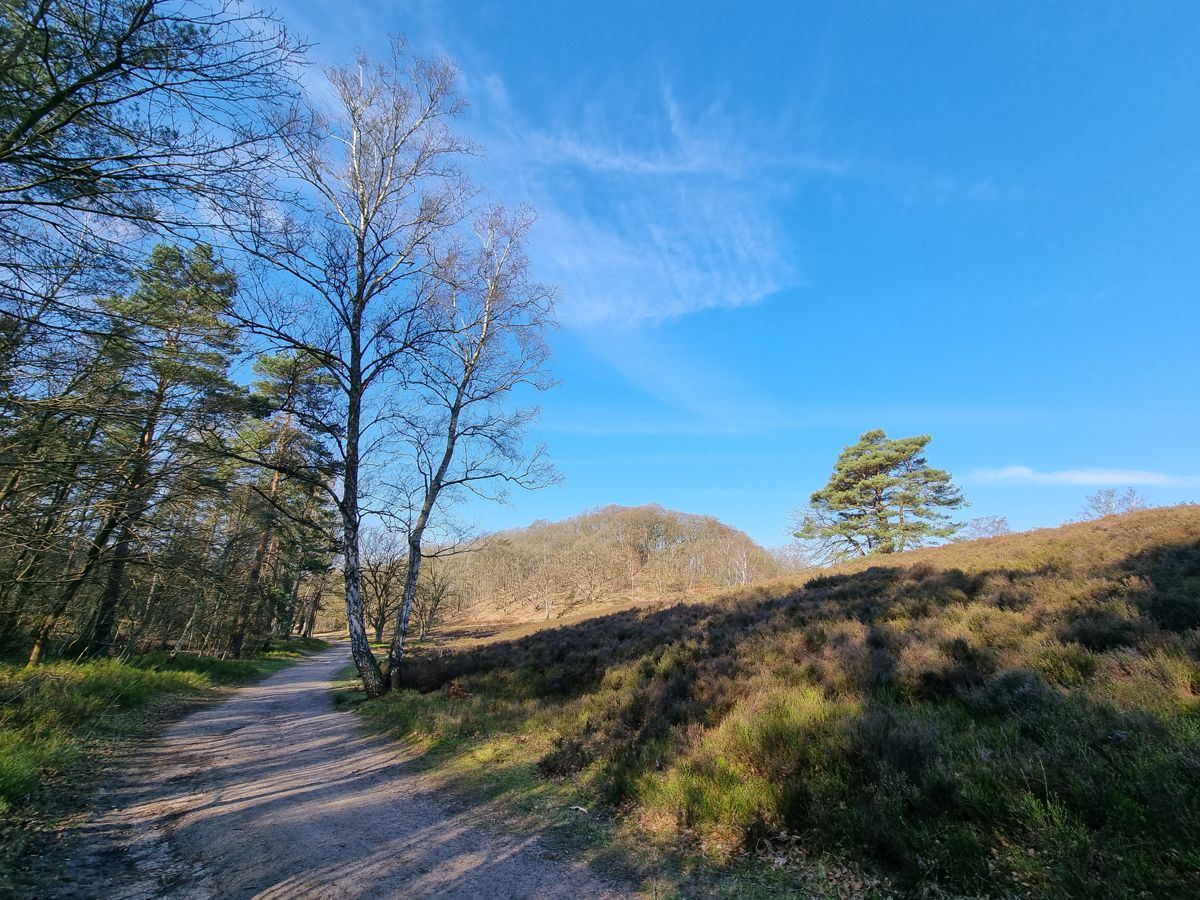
[[971, 738]]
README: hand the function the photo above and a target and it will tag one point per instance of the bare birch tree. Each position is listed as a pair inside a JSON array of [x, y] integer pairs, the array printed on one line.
[[1108, 502], [350, 281], [462, 430], [383, 565]]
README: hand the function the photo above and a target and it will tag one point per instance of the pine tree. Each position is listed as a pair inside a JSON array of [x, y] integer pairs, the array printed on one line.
[[295, 468], [883, 497], [175, 345]]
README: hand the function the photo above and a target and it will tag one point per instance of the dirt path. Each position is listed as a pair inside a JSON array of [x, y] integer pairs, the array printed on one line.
[[274, 793]]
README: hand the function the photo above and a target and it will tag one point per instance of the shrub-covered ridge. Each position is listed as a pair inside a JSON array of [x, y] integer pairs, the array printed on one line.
[[1010, 715]]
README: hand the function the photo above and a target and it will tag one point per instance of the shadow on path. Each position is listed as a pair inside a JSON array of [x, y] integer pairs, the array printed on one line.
[[274, 793]]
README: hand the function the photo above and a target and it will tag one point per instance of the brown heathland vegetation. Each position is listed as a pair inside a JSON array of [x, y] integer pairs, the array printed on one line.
[[608, 555], [1011, 714], [602, 559]]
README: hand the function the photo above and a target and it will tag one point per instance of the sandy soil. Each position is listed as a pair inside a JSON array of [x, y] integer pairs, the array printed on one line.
[[273, 793]]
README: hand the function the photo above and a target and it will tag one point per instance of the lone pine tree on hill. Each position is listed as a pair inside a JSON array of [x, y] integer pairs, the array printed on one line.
[[883, 497]]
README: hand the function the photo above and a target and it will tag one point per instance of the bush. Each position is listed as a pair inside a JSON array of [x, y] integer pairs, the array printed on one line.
[[1103, 630], [568, 757]]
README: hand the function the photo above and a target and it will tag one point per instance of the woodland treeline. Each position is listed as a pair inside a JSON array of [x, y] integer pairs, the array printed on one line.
[[240, 323], [129, 516]]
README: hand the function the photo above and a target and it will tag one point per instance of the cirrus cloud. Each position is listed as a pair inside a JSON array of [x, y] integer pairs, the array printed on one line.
[[1082, 477]]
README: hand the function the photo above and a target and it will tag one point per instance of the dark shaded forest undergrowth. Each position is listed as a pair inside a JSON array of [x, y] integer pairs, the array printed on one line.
[[1002, 717]]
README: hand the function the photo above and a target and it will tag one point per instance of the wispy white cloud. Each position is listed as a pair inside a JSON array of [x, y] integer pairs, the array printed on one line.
[[655, 205], [656, 258], [610, 426], [666, 141], [1082, 477], [647, 211], [652, 209], [678, 142], [569, 149]]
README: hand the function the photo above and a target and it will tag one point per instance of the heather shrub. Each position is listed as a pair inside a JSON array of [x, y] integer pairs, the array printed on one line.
[[1006, 717], [1104, 629]]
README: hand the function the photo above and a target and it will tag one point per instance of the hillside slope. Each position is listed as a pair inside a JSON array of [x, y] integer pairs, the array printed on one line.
[[1006, 716], [600, 557]]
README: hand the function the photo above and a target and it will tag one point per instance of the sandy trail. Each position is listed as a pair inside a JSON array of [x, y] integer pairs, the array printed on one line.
[[273, 793]]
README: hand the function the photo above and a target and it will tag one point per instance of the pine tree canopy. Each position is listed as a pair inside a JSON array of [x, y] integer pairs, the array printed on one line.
[[883, 497]]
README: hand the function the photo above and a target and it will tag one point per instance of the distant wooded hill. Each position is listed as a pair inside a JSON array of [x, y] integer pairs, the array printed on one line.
[[618, 552]]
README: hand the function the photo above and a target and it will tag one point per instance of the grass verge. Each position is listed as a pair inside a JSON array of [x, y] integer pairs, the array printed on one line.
[[61, 720]]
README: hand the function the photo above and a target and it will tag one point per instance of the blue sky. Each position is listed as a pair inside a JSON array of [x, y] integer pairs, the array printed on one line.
[[775, 227]]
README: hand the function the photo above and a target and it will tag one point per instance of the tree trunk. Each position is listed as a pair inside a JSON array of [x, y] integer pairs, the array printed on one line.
[[310, 621], [104, 623], [260, 552], [417, 536], [283, 625], [12, 592], [250, 594], [360, 648], [138, 502], [99, 542], [411, 575]]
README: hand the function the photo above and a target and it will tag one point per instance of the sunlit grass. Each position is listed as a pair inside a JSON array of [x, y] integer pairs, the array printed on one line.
[[56, 717], [1012, 716]]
